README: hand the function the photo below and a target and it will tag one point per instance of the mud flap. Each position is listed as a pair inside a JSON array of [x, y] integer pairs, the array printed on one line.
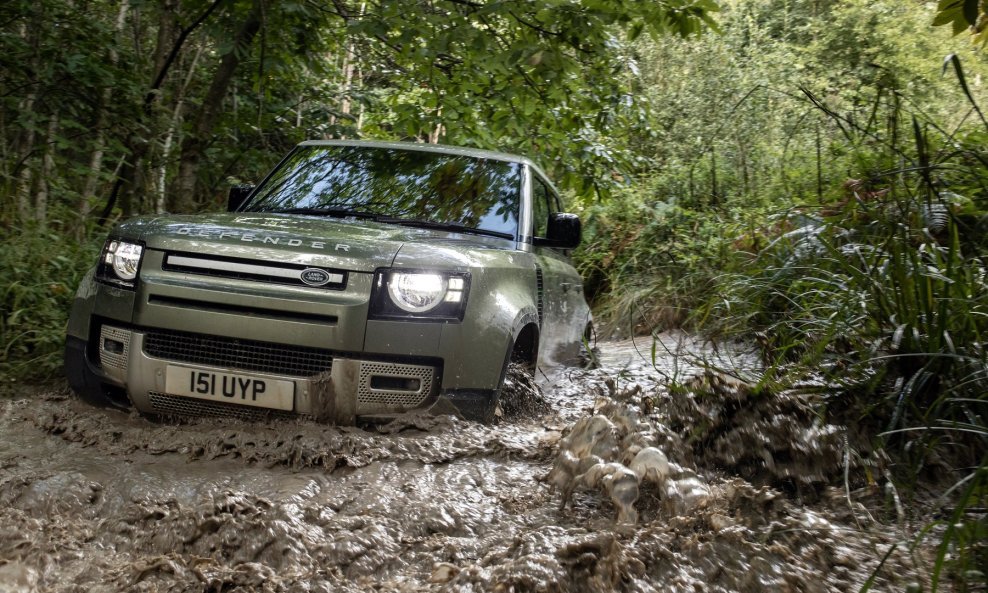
[[477, 405], [444, 407]]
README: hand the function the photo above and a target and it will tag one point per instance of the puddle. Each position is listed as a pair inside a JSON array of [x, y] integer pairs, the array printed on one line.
[[707, 488]]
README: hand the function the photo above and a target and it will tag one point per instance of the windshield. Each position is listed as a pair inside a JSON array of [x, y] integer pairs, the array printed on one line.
[[482, 194]]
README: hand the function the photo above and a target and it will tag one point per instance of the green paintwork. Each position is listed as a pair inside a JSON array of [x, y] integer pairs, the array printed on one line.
[[502, 297]]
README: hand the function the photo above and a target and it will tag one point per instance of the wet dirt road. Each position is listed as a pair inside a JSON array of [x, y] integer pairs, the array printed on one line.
[[96, 500]]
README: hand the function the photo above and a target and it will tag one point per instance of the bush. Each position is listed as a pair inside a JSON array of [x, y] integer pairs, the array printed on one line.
[[39, 273], [882, 297], [648, 263]]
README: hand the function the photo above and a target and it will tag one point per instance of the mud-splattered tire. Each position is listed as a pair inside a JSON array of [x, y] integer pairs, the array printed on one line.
[[520, 396]]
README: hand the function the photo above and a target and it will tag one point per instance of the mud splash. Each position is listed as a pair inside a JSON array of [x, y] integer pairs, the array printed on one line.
[[104, 501]]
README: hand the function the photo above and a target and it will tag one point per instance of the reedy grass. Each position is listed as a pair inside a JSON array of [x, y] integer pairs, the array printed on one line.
[[887, 300], [878, 293]]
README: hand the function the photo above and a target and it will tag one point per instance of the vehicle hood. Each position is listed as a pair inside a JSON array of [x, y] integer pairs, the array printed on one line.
[[341, 243]]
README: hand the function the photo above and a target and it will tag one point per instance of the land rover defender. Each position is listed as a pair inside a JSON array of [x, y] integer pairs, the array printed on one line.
[[357, 280]]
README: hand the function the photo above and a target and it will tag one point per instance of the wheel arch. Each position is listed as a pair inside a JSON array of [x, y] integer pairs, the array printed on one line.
[[525, 346]]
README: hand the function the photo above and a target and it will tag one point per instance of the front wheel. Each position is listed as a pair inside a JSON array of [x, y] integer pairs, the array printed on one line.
[[520, 396]]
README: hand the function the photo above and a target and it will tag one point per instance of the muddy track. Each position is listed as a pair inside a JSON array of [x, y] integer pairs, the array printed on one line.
[[100, 500]]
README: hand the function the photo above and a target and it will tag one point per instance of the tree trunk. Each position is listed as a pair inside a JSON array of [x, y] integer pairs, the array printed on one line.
[[137, 145], [99, 143], [349, 70], [47, 168], [166, 149], [167, 34], [743, 164], [438, 130], [23, 191], [193, 145], [26, 143], [347, 78]]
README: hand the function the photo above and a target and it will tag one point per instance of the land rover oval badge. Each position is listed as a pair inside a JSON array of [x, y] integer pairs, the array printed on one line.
[[314, 276]]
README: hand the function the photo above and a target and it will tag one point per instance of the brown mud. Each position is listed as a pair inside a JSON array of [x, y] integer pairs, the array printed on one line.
[[704, 487]]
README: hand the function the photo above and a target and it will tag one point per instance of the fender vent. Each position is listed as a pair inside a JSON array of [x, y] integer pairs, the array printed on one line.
[[539, 288]]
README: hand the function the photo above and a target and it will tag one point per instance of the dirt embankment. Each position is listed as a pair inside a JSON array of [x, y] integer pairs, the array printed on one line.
[[709, 487]]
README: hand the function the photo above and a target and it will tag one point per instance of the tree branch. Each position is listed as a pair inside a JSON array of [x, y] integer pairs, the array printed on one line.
[[159, 79]]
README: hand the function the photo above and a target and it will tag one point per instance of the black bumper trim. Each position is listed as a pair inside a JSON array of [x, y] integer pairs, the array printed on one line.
[[87, 380]]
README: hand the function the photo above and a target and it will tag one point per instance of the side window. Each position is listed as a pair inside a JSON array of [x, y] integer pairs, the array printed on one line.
[[540, 207], [554, 204]]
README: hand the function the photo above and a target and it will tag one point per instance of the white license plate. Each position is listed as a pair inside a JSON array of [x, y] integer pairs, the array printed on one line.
[[232, 388]]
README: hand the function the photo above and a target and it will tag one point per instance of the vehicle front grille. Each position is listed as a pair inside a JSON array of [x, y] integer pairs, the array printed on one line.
[[244, 269], [187, 406], [251, 355]]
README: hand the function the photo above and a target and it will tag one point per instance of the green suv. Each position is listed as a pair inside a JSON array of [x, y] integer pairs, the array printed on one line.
[[359, 280]]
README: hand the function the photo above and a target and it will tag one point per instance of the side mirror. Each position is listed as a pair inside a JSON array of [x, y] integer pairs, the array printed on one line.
[[238, 195], [563, 230]]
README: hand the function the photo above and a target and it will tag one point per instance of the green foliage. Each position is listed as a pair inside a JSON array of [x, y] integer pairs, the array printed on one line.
[[546, 79], [136, 107], [103, 108], [964, 15], [39, 273], [647, 263], [817, 187], [883, 295], [963, 552]]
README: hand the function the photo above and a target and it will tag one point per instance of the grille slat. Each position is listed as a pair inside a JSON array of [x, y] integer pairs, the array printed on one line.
[[187, 406], [251, 355], [242, 269]]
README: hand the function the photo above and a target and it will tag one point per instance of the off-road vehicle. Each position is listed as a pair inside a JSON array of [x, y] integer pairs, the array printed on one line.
[[358, 280]]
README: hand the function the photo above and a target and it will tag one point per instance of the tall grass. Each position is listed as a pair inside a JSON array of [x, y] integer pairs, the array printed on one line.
[[877, 291], [39, 273], [884, 296], [648, 264]]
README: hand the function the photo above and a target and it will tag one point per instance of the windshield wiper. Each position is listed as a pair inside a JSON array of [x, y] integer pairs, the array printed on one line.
[[457, 227], [335, 212]]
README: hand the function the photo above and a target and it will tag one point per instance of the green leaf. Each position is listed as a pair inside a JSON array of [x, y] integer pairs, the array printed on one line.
[[971, 9]]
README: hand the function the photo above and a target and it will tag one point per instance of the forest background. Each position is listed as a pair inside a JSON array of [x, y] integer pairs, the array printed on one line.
[[806, 176]]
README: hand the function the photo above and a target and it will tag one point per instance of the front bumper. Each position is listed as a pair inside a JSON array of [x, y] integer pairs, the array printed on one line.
[[147, 363]]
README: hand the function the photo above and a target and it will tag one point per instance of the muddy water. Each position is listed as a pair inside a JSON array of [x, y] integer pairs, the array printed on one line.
[[96, 500]]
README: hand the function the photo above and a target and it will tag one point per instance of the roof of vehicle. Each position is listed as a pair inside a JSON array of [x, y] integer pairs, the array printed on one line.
[[440, 148]]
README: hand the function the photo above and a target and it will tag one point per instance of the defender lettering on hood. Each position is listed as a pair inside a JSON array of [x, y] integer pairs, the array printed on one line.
[[247, 237]]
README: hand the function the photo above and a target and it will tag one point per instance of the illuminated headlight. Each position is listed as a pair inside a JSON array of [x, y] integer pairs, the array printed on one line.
[[416, 293], [120, 262], [419, 294]]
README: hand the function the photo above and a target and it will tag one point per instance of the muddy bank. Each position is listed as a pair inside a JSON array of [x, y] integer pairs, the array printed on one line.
[[95, 500]]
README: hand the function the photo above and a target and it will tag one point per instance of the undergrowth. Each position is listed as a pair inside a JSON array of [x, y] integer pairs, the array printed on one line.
[[648, 264], [39, 273], [876, 290]]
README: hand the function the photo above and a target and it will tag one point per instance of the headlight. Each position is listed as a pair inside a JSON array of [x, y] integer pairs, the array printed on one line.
[[416, 293], [419, 295], [120, 262]]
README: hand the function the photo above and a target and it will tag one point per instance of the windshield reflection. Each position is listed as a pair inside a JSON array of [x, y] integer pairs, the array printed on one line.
[[477, 193]]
